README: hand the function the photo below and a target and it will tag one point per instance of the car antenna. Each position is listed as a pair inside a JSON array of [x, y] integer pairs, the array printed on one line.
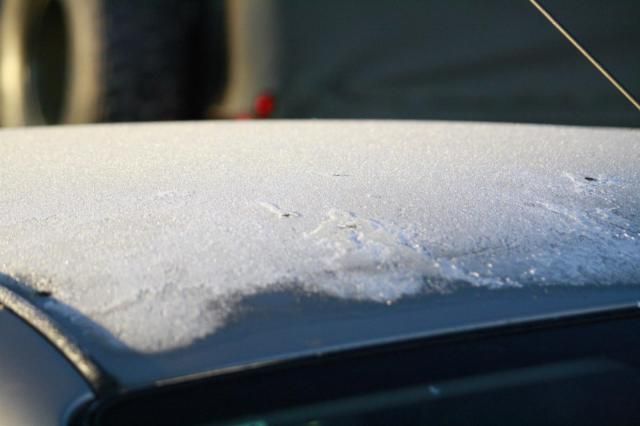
[[586, 54]]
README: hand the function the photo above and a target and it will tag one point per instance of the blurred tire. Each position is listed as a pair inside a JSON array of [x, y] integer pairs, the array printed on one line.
[[79, 61]]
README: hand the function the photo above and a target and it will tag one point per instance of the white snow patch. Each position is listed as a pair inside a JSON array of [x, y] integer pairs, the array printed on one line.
[[156, 232], [272, 208]]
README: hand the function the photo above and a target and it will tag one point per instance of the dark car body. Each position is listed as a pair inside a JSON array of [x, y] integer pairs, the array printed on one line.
[[215, 272]]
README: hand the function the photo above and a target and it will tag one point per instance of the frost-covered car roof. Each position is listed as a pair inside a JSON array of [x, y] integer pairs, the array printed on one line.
[[172, 249]]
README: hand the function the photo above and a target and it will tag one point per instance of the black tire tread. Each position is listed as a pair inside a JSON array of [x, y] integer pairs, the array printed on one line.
[[147, 59]]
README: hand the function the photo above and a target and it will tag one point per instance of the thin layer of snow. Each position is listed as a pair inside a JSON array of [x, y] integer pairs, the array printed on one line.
[[155, 232]]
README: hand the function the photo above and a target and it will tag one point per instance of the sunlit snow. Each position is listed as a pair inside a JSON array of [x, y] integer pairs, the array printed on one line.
[[156, 232]]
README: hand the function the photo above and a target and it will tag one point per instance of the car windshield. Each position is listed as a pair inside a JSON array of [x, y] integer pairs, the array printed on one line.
[[581, 368], [521, 397]]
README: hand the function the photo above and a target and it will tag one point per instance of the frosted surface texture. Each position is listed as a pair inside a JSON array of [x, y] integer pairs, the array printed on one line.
[[155, 232]]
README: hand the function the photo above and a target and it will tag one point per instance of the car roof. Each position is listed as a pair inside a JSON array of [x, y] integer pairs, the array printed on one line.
[[173, 249]]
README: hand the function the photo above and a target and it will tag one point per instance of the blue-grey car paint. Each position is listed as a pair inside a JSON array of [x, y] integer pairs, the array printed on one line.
[[38, 386]]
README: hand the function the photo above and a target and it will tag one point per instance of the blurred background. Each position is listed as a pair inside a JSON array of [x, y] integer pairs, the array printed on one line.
[[81, 61]]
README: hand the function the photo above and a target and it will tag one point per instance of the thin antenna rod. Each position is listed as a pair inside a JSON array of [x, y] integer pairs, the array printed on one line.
[[586, 54]]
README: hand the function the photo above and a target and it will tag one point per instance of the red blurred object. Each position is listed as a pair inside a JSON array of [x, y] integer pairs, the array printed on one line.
[[264, 105]]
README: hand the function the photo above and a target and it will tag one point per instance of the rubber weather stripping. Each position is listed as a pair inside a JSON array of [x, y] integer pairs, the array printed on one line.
[[98, 379]]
